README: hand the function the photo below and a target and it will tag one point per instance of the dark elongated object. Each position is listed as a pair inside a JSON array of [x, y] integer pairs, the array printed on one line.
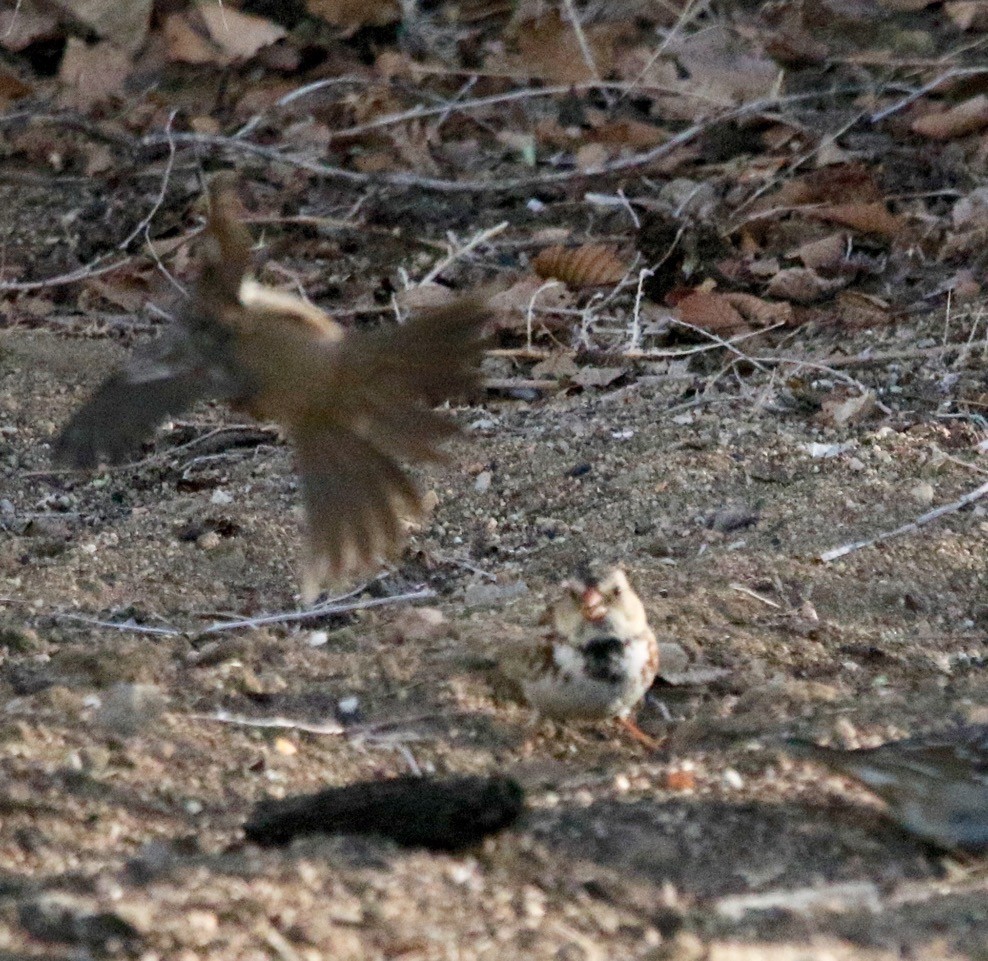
[[439, 814]]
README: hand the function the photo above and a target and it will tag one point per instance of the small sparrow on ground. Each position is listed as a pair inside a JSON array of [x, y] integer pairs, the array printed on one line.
[[598, 660], [353, 403], [935, 786]]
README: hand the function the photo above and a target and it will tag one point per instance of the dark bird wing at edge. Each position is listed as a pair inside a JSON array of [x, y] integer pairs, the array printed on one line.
[[191, 361]]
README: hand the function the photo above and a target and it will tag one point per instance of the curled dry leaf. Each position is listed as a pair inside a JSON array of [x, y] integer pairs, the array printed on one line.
[[801, 285], [760, 313], [968, 14], [711, 312], [511, 306], [827, 253], [869, 218], [591, 265], [351, 15], [967, 117]]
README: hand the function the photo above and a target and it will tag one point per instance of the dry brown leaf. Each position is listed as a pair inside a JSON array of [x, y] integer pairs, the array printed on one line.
[[968, 14], [905, 6], [964, 287], [870, 218], [628, 133], [184, 44], [723, 67], [971, 210], [967, 117], [424, 296], [762, 313], [91, 73], [801, 285], [351, 15], [511, 306], [12, 87], [596, 376], [591, 265], [857, 311], [560, 365], [840, 410], [548, 48], [22, 26], [846, 183], [238, 35], [827, 253], [711, 312], [123, 23]]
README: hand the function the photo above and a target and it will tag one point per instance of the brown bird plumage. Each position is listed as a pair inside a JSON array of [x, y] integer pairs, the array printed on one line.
[[597, 660], [353, 403], [935, 785]]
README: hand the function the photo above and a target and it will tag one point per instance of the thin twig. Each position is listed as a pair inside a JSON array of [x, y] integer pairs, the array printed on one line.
[[163, 191], [90, 270], [741, 589], [952, 74], [455, 255], [581, 39], [333, 728], [326, 609], [914, 525], [439, 185], [321, 610]]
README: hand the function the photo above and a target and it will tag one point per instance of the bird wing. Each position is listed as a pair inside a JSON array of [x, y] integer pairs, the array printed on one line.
[[355, 497], [355, 408], [191, 361], [161, 380]]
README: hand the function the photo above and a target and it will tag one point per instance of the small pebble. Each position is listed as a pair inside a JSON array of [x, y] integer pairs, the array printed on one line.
[[923, 493], [208, 541], [483, 482], [732, 779], [318, 638], [221, 498], [347, 706]]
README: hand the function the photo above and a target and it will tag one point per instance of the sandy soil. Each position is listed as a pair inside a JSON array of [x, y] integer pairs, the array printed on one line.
[[125, 843]]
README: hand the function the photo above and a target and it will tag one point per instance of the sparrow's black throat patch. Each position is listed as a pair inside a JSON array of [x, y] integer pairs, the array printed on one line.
[[604, 657]]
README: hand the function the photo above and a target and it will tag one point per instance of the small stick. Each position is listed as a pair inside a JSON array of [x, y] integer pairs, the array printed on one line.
[[520, 383], [754, 594], [455, 255], [581, 39], [332, 606], [922, 520]]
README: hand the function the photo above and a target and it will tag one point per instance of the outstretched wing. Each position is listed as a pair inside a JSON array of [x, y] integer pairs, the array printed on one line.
[[191, 361], [162, 380], [368, 407]]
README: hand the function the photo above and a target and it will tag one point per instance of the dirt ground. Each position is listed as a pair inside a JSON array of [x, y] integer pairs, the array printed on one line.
[[714, 480], [118, 842]]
